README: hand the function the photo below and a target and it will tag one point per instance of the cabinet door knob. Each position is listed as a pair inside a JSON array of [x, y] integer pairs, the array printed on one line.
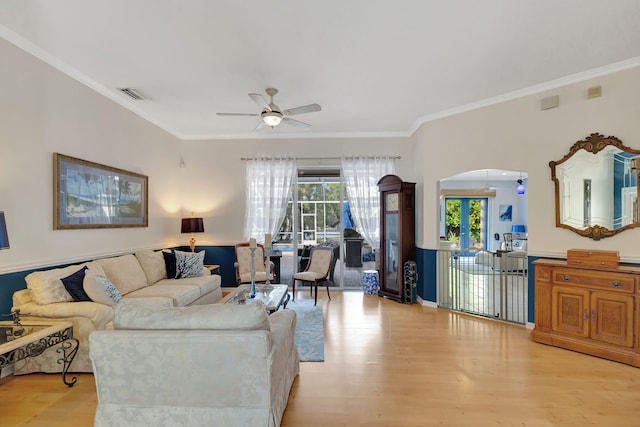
[[616, 283], [593, 314], [586, 314], [566, 277]]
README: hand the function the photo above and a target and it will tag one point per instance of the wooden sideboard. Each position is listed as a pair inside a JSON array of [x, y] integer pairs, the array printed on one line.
[[589, 304]]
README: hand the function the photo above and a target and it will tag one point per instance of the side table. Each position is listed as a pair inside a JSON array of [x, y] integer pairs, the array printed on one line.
[[213, 268], [18, 341]]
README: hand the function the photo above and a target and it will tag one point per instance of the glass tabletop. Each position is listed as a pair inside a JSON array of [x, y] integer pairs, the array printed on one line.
[[272, 296], [10, 331]]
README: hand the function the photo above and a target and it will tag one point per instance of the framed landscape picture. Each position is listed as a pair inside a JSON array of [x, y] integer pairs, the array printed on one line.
[[91, 195]]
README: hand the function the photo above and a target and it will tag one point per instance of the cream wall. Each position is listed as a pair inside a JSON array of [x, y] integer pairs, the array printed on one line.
[[516, 135], [43, 111], [213, 179]]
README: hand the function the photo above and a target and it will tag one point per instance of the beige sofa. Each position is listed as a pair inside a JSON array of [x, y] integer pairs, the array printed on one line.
[[212, 365], [141, 276]]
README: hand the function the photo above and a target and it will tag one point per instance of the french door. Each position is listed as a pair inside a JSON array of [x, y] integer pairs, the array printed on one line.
[[466, 222]]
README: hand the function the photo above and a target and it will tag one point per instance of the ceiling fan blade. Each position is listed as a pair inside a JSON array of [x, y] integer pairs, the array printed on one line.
[[260, 126], [296, 123], [238, 114], [304, 109], [259, 99]]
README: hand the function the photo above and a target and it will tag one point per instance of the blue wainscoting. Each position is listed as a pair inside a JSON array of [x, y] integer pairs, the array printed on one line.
[[427, 283], [222, 255], [9, 283]]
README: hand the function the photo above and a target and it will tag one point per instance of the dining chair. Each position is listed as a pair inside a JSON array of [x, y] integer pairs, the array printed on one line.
[[508, 241], [317, 270]]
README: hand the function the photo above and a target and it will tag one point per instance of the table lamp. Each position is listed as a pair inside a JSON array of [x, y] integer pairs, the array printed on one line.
[[517, 229], [4, 237], [192, 225]]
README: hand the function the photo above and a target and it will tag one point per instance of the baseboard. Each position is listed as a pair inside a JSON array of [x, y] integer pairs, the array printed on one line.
[[426, 303]]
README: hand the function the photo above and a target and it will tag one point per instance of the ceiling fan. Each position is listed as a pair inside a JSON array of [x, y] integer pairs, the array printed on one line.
[[487, 187], [272, 115]]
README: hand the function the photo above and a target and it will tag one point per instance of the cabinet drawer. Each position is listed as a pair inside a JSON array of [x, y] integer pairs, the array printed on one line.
[[595, 279]]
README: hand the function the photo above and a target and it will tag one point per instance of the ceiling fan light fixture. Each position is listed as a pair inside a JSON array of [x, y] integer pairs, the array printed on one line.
[[271, 118]]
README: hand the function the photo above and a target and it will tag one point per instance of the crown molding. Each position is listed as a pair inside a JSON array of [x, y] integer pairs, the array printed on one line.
[[531, 90], [118, 98]]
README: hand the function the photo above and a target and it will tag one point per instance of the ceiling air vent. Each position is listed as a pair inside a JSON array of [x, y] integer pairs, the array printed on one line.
[[132, 93]]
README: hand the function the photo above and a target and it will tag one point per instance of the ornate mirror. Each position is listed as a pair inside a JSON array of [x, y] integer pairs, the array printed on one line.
[[596, 187]]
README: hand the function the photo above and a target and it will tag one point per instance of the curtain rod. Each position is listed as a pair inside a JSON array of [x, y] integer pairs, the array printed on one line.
[[326, 158]]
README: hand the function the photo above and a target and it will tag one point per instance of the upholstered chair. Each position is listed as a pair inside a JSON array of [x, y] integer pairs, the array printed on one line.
[[243, 264], [317, 270]]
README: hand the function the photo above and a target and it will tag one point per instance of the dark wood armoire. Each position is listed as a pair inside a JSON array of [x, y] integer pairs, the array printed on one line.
[[397, 233]]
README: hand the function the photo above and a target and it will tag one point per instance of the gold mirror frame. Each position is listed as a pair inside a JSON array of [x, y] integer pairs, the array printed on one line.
[[594, 143]]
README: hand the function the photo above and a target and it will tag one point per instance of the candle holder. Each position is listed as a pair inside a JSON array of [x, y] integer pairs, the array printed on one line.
[[267, 263], [252, 292]]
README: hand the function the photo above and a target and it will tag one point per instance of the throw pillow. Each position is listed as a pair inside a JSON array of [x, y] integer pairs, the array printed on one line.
[[189, 264], [46, 288], [73, 285], [170, 264], [153, 265], [100, 289]]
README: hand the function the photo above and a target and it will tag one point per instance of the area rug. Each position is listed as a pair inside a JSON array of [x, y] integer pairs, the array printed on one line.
[[309, 335]]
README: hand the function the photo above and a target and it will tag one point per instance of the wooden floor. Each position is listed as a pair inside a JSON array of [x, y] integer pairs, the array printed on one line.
[[389, 364]]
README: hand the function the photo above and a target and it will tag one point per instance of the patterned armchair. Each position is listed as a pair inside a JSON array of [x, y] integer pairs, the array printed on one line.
[[243, 264]]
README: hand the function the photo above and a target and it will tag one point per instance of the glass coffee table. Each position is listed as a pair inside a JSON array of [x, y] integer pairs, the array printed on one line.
[[272, 296], [19, 341]]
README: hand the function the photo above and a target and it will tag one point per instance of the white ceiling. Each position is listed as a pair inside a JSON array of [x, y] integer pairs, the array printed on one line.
[[377, 68]]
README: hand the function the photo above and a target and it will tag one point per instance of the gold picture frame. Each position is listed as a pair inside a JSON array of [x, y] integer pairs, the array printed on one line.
[[92, 195]]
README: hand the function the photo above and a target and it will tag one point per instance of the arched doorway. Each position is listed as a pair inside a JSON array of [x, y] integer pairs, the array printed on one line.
[[482, 259]]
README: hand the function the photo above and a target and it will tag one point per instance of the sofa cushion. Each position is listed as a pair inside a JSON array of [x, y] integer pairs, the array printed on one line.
[[189, 264], [100, 289], [73, 285], [124, 272], [139, 315], [206, 283], [180, 294], [161, 301], [152, 263], [45, 287]]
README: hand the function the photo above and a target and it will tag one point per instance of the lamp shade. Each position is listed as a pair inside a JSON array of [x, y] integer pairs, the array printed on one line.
[[517, 229], [192, 225], [4, 237]]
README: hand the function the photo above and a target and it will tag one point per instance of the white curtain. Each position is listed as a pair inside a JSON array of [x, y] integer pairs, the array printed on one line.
[[361, 175], [267, 193]]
